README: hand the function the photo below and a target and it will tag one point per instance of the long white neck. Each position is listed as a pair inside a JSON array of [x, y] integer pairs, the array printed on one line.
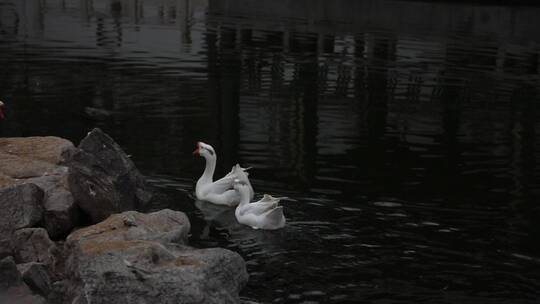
[[244, 200], [208, 174], [244, 196]]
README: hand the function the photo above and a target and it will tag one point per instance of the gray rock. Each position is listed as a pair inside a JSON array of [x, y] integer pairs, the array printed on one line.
[[5, 248], [36, 276], [38, 160], [150, 272], [131, 258], [12, 288], [33, 245], [20, 207], [57, 294], [61, 212], [103, 179], [20, 294], [9, 275]]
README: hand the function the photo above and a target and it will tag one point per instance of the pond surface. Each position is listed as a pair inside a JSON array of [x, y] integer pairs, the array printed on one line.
[[406, 134]]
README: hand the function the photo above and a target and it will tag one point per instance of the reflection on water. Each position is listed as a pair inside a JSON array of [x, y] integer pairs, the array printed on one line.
[[405, 132]]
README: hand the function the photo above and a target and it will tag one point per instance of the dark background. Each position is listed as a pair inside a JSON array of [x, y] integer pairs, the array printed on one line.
[[406, 134]]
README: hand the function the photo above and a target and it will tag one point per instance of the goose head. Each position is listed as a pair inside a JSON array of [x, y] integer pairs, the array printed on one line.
[[2, 116], [204, 150]]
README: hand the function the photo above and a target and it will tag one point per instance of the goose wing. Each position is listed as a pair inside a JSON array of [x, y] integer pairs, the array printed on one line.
[[226, 183], [223, 184], [273, 219], [259, 208], [228, 198]]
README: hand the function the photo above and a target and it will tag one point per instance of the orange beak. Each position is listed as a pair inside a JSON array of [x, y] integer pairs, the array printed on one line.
[[196, 152]]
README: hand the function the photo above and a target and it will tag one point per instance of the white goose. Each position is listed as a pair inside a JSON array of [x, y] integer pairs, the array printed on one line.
[[220, 192], [263, 214]]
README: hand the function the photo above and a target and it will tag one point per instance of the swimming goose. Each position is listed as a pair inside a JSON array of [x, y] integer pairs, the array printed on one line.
[[220, 192], [264, 214]]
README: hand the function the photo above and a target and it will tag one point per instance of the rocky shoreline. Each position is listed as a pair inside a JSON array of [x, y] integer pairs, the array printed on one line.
[[69, 232]]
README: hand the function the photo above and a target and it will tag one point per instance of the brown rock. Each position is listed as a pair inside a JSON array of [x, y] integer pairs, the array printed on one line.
[[166, 226], [18, 168], [49, 149], [26, 157], [6, 180]]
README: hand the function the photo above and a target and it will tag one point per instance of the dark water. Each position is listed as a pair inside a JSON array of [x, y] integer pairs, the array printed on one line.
[[406, 134]]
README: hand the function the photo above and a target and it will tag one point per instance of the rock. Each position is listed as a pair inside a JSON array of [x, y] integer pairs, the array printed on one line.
[[17, 169], [36, 277], [150, 272], [9, 275], [20, 207], [5, 248], [38, 160], [130, 258], [6, 180], [61, 212], [25, 157], [33, 245], [57, 294], [49, 149], [165, 226], [12, 288], [103, 179], [20, 295], [127, 258]]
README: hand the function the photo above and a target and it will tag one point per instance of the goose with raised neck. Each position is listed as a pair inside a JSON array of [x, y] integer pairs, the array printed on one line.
[[218, 192]]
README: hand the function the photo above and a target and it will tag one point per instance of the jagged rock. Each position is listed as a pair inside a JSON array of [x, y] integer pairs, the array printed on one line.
[[61, 212], [38, 160], [103, 179], [36, 277], [33, 245], [130, 258], [20, 207], [12, 288]]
